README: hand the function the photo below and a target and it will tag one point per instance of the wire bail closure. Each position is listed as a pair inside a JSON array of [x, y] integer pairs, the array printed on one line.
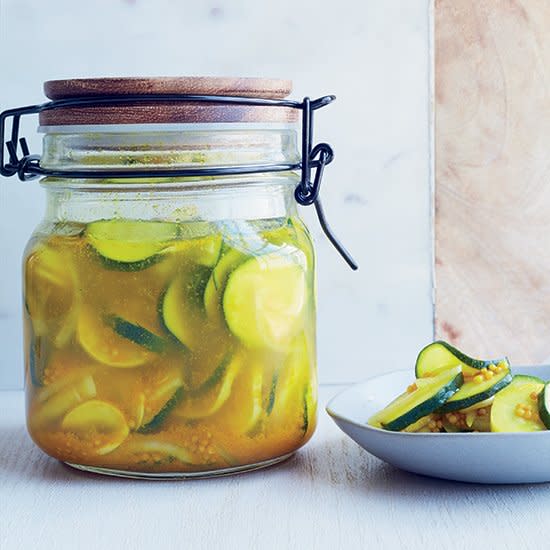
[[314, 159]]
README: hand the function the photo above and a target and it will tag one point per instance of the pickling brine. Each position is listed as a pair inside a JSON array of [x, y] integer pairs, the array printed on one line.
[[170, 347]]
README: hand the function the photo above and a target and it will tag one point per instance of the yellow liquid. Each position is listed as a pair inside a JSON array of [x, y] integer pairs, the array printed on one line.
[[172, 354]]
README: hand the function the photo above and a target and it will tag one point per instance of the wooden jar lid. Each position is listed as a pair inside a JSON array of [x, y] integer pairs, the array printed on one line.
[[168, 112]]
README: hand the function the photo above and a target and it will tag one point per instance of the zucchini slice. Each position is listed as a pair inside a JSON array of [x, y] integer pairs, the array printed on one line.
[[203, 251], [422, 398], [440, 355], [479, 388], [158, 420], [51, 296], [544, 405], [102, 342], [515, 408], [420, 425], [181, 307], [213, 394], [479, 405], [264, 301], [99, 426], [136, 333], [228, 261], [164, 391], [243, 409], [59, 398], [291, 399], [130, 245], [151, 450]]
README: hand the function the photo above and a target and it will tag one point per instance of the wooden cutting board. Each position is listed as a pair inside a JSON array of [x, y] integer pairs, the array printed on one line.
[[492, 171]]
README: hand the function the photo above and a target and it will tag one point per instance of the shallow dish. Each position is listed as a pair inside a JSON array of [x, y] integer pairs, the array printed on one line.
[[470, 457]]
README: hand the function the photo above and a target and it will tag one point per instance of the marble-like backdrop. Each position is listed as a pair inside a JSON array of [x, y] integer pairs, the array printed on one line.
[[492, 170], [374, 55]]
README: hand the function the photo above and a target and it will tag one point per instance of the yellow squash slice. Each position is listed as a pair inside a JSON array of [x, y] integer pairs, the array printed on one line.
[[99, 426]]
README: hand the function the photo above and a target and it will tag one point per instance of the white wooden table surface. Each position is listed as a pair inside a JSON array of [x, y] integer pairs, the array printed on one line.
[[332, 494]]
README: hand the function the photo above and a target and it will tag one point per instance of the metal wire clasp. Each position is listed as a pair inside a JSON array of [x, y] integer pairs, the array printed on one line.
[[314, 159]]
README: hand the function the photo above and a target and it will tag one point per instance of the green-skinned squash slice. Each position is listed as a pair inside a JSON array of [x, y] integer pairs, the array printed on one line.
[[115, 341], [212, 395], [130, 245], [422, 398], [440, 355], [482, 379], [164, 390], [51, 292], [157, 451], [203, 251], [480, 387], [515, 408], [228, 261], [544, 405], [264, 301], [181, 308]]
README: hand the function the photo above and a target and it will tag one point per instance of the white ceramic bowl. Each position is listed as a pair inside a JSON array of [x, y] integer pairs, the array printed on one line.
[[470, 457]]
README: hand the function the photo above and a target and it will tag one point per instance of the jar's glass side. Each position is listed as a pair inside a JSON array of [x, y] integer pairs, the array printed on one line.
[[170, 343], [170, 323]]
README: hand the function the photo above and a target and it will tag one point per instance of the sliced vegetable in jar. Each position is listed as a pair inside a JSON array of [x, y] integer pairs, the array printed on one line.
[[181, 307], [203, 251], [136, 333], [214, 393], [99, 426], [163, 390], [264, 301], [228, 261], [146, 450], [421, 398], [34, 357], [128, 347], [515, 408], [158, 420], [243, 409], [54, 402], [51, 294], [291, 398], [130, 245]]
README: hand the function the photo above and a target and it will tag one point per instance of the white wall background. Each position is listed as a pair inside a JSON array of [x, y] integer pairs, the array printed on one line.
[[373, 54]]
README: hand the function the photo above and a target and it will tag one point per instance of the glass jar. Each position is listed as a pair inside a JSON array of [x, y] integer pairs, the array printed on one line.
[[169, 322]]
